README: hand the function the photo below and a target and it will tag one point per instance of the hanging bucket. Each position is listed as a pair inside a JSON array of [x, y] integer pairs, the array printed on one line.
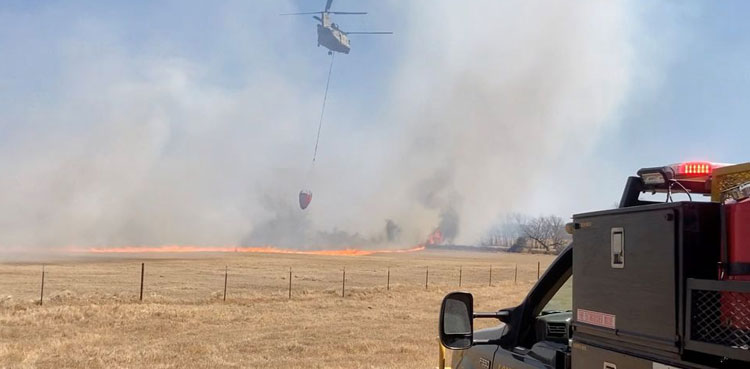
[[305, 196]]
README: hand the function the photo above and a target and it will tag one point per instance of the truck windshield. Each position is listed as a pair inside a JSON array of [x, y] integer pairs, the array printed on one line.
[[563, 299]]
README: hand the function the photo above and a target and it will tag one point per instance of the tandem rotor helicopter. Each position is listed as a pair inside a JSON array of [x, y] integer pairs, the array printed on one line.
[[329, 33]]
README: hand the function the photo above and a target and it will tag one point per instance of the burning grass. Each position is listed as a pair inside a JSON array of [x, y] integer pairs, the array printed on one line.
[[91, 317], [263, 249]]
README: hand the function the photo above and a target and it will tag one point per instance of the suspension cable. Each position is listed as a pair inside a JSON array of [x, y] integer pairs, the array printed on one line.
[[322, 111]]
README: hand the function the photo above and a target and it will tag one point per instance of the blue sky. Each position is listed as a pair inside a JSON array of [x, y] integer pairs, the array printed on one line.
[[689, 103], [698, 107], [701, 51], [118, 111]]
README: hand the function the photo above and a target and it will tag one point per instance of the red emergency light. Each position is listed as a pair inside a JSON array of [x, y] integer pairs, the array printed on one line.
[[693, 176], [695, 168]]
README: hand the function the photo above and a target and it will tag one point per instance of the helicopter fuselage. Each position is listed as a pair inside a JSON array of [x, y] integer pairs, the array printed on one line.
[[333, 39], [329, 33]]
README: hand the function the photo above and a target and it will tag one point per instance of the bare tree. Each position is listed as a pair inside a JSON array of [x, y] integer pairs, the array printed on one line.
[[519, 233], [545, 232]]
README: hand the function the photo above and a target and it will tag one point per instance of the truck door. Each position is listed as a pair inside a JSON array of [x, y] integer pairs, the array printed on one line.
[[535, 334], [551, 333]]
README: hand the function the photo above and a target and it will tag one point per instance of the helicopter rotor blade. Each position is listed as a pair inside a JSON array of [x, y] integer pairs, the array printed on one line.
[[328, 4], [318, 18], [368, 33], [305, 13], [349, 13]]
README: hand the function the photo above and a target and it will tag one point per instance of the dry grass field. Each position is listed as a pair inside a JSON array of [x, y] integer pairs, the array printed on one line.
[[91, 316]]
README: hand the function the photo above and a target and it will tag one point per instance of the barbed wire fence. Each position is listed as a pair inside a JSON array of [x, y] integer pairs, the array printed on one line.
[[156, 281]]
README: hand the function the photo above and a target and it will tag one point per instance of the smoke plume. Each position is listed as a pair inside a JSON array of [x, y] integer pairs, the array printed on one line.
[[150, 144]]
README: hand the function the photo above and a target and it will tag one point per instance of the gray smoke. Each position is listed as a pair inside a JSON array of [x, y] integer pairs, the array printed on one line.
[[143, 145], [392, 231], [286, 226], [491, 96], [448, 225]]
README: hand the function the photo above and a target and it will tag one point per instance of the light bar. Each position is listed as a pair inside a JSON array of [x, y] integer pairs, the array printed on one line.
[[695, 168], [692, 176], [697, 171]]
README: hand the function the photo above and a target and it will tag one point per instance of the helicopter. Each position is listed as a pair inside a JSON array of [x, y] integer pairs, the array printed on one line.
[[330, 35]]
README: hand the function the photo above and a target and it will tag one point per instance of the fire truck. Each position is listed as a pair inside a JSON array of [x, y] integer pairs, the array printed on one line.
[[656, 283]]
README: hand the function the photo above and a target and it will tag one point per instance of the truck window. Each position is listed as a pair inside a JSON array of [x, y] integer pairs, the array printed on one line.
[[563, 299]]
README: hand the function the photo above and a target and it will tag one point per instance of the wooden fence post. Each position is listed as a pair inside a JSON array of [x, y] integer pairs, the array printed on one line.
[[343, 283], [460, 275], [426, 276], [41, 296], [490, 275], [290, 282], [143, 268], [515, 275], [388, 283], [226, 275], [538, 269]]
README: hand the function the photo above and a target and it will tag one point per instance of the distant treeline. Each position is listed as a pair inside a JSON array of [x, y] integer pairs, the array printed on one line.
[[521, 233]]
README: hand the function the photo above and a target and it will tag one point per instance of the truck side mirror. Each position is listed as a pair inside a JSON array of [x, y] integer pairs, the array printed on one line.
[[457, 320]]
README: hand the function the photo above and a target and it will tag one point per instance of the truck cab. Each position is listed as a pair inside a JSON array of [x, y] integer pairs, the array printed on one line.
[[649, 285]]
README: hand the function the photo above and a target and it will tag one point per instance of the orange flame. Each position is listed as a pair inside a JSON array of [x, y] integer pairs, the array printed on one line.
[[435, 238], [264, 249]]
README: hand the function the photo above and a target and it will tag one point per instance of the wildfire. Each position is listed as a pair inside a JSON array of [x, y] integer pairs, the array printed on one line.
[[435, 238], [264, 249]]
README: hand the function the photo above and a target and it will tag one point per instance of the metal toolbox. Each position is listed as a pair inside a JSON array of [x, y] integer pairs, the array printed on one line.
[[631, 267]]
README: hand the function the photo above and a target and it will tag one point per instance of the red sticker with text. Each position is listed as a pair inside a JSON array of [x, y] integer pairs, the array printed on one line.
[[596, 318]]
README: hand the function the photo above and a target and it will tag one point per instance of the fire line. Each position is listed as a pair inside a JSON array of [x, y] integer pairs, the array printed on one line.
[[262, 249]]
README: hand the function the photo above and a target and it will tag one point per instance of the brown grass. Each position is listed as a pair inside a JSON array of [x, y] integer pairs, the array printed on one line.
[[91, 317]]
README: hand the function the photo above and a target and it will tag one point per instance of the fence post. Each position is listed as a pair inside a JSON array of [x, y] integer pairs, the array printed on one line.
[[538, 269], [388, 283], [426, 276], [143, 268], [41, 296], [490, 275], [460, 275], [290, 282], [226, 275], [343, 283], [515, 275]]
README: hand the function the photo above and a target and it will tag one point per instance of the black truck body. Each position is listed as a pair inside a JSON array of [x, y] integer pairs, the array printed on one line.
[[646, 295]]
